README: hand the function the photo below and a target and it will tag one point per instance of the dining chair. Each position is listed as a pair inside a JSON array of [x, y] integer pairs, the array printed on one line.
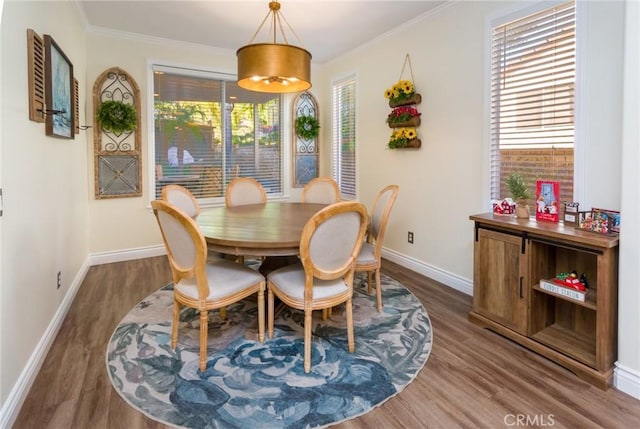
[[182, 198], [197, 283], [323, 277], [245, 190], [370, 257], [321, 190]]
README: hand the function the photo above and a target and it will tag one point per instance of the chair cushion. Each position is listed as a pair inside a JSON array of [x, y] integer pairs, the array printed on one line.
[[225, 278], [290, 280], [366, 256]]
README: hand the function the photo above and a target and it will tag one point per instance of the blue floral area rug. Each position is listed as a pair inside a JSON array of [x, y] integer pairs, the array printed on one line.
[[248, 384]]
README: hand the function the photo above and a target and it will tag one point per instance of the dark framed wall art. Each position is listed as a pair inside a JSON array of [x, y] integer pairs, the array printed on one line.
[[58, 91]]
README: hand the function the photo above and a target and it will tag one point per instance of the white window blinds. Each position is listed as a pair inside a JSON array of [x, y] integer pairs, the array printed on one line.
[[208, 131], [532, 99], [344, 136]]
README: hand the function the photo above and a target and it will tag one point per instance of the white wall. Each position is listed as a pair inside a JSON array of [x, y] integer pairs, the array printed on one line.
[[441, 184], [45, 220], [125, 223], [628, 365]]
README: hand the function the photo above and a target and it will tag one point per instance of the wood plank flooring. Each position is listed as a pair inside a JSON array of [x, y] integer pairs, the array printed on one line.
[[473, 379]]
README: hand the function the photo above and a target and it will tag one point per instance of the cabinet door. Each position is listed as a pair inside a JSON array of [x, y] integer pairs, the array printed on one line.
[[500, 276]]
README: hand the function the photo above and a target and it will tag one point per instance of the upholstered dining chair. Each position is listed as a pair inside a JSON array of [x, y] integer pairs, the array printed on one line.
[[182, 198], [245, 190], [321, 190], [323, 278], [197, 283], [370, 257]]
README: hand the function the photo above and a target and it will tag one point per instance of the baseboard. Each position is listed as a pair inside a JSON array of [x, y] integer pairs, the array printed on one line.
[[20, 390], [627, 380], [448, 279], [126, 255]]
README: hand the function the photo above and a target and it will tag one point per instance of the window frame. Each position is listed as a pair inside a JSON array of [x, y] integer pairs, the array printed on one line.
[[513, 13]]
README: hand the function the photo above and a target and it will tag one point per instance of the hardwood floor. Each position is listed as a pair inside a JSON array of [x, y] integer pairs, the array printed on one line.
[[473, 379]]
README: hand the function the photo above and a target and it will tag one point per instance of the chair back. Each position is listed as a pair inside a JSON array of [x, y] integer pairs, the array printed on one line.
[[380, 215], [182, 198], [321, 190], [331, 240], [245, 190], [185, 245]]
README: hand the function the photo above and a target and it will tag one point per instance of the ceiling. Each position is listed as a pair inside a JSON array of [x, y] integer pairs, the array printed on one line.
[[326, 28]]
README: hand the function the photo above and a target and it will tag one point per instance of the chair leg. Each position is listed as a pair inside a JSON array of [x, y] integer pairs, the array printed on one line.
[[174, 325], [203, 339], [378, 290], [261, 314], [270, 314], [369, 285], [350, 338], [325, 313], [223, 313], [307, 339]]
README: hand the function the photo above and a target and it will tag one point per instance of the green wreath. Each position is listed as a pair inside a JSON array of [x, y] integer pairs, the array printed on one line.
[[307, 127], [117, 117]]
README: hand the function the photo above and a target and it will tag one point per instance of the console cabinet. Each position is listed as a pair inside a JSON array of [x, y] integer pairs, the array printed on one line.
[[512, 255]]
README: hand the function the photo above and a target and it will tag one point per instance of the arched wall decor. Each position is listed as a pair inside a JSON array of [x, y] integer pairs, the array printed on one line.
[[305, 151], [117, 156]]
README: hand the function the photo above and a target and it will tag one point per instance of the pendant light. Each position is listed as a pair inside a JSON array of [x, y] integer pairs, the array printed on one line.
[[274, 67]]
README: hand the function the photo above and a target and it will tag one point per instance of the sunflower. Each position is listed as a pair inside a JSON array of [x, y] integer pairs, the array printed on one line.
[[410, 133], [388, 93]]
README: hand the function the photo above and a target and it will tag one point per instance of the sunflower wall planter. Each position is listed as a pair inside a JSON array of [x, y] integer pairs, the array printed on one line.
[[404, 118]]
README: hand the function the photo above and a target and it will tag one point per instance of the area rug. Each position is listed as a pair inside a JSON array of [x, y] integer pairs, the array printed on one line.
[[248, 384]]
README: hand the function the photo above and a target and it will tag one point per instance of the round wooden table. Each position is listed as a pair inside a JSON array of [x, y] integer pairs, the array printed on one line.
[[271, 229]]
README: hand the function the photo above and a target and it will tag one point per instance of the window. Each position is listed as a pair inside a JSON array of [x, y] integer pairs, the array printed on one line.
[[532, 99], [344, 136], [208, 130]]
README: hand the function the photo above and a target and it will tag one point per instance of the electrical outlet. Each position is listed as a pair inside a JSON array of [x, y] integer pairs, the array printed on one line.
[[410, 237], [59, 279]]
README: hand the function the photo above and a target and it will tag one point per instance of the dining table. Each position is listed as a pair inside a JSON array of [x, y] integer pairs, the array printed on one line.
[[263, 230]]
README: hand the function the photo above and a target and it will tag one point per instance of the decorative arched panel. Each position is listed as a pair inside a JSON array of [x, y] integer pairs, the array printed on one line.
[[305, 151], [117, 156]]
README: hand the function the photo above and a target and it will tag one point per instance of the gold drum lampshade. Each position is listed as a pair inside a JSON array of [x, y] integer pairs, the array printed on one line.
[[274, 67]]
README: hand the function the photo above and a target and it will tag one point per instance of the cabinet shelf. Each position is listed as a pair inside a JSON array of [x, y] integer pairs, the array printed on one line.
[[567, 341], [589, 302]]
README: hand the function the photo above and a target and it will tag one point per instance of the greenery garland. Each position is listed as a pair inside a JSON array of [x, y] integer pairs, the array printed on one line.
[[117, 117], [307, 127]]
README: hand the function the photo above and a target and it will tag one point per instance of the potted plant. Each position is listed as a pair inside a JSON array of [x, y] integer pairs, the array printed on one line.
[[307, 127], [404, 138], [404, 116], [520, 193], [117, 117], [402, 94]]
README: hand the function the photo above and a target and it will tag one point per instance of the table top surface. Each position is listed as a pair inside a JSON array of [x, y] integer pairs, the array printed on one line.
[[267, 229]]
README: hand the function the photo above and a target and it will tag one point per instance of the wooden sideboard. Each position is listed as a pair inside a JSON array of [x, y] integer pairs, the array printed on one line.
[[512, 255]]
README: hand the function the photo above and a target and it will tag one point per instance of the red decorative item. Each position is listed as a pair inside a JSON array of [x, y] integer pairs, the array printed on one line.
[[571, 281], [504, 207], [548, 201]]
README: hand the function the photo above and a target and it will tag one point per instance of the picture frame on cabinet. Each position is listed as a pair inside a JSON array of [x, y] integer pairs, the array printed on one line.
[[548, 201]]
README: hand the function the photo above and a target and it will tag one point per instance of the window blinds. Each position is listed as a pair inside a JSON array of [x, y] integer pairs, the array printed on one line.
[[209, 131], [344, 136], [532, 98]]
